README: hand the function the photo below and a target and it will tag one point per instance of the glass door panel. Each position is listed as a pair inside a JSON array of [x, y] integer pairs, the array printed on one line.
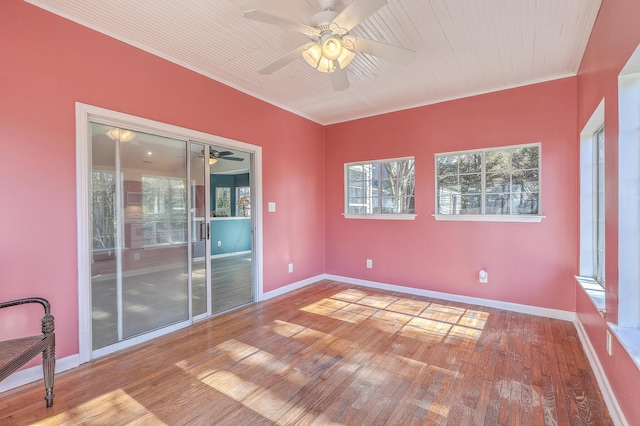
[[230, 230], [139, 219], [199, 230]]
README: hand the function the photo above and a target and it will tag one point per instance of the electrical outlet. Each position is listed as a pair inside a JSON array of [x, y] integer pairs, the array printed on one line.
[[369, 263], [136, 256], [483, 276], [290, 267], [219, 243], [608, 342]]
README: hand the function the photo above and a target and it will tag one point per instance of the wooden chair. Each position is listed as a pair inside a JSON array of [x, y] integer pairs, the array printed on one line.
[[17, 352]]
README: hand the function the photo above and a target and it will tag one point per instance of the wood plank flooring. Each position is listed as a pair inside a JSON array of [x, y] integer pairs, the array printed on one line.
[[333, 353]]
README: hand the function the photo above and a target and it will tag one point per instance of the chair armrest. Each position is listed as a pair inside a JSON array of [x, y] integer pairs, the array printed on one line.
[[47, 319]]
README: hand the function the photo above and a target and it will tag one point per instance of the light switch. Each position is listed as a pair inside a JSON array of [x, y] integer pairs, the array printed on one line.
[[272, 206]]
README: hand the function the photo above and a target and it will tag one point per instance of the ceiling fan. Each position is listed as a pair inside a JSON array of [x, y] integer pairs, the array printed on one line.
[[331, 47], [214, 156]]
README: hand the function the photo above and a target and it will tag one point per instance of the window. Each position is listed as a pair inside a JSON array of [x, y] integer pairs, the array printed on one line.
[[223, 201], [380, 189], [592, 212], [243, 195], [496, 181], [163, 208]]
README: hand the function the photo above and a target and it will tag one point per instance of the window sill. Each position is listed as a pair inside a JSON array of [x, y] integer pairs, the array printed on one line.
[[595, 291], [380, 216], [489, 217], [629, 338]]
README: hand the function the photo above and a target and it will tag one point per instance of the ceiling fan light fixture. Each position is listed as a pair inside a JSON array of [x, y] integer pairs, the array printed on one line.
[[345, 58], [332, 48], [313, 55], [212, 161], [121, 135]]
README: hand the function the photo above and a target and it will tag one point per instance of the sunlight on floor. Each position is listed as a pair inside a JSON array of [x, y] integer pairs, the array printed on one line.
[[101, 409], [414, 319], [410, 318]]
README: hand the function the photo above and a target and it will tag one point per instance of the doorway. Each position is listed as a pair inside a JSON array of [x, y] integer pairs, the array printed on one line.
[[170, 230], [222, 260]]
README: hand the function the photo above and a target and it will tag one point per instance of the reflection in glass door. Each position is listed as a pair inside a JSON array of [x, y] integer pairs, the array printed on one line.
[[139, 215], [230, 229], [199, 229]]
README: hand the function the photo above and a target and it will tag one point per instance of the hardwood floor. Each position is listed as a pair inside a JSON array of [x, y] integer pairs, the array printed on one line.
[[333, 353]]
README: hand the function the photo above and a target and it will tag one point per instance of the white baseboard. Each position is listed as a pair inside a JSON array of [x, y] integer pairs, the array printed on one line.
[[32, 374], [515, 307], [291, 287], [610, 400]]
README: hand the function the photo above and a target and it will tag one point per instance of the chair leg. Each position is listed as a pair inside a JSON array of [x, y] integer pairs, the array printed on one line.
[[49, 367]]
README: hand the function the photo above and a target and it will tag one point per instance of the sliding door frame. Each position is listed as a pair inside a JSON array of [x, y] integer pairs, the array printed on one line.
[[84, 115]]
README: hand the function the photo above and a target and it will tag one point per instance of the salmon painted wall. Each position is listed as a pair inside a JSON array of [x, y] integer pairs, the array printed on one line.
[[615, 36], [528, 263], [48, 64]]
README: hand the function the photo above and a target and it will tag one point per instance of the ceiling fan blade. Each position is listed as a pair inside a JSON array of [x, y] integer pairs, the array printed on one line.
[[286, 59], [356, 12], [221, 153], [383, 50], [232, 158], [339, 79], [268, 18]]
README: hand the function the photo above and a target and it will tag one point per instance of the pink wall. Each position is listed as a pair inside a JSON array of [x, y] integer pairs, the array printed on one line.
[[528, 263], [615, 36], [49, 64]]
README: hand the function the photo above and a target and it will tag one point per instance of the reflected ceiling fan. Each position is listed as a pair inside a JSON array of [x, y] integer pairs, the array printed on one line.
[[214, 156], [331, 48]]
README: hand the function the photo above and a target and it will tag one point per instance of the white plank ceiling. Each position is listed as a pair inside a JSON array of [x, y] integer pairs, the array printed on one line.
[[464, 47]]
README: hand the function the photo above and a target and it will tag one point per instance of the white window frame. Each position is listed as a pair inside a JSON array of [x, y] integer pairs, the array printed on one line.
[[599, 205], [376, 216], [482, 217], [588, 208]]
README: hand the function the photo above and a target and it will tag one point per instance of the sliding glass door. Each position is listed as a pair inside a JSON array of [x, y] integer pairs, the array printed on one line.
[[171, 228]]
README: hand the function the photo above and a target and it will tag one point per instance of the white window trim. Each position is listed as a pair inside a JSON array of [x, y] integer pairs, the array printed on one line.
[[390, 216], [378, 216], [490, 217]]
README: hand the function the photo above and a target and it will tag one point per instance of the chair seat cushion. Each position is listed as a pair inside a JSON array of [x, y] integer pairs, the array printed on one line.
[[12, 349]]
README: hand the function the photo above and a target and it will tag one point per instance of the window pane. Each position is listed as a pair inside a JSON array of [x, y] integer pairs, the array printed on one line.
[[471, 162], [356, 173], [526, 181], [497, 204], [447, 165], [497, 182], [471, 184], [525, 158], [497, 160], [524, 203], [470, 204]]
